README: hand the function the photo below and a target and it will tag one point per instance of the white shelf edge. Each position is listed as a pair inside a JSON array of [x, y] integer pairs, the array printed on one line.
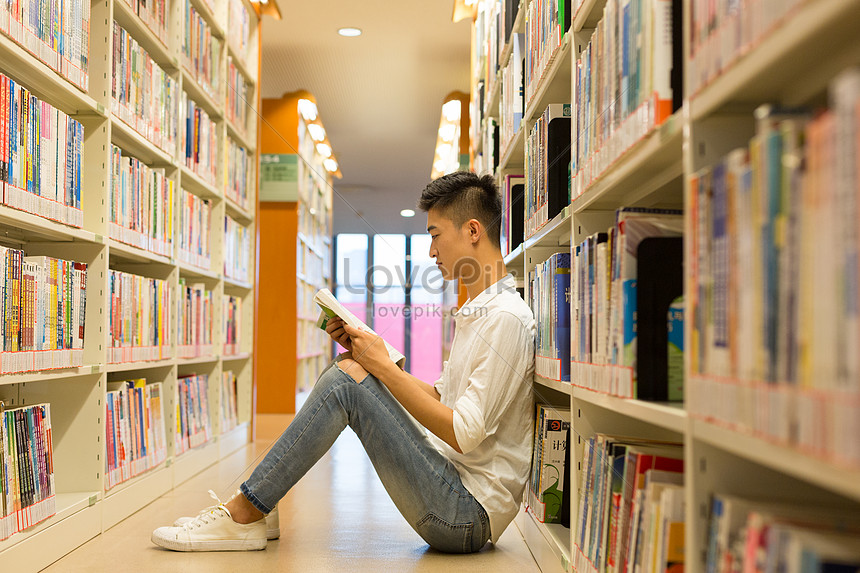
[[515, 257], [241, 64], [145, 150], [237, 284], [552, 229], [47, 228], [557, 385], [207, 359], [668, 415], [548, 79], [44, 375], [145, 36], [544, 543], [588, 12], [126, 498], [136, 253], [199, 94], [241, 138], [203, 188], [139, 365], [237, 213], [783, 459], [236, 357]]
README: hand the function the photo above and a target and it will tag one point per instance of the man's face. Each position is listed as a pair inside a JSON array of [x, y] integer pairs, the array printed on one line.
[[450, 245]]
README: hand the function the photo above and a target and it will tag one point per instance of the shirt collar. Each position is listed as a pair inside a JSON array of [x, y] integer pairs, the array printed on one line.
[[470, 308]]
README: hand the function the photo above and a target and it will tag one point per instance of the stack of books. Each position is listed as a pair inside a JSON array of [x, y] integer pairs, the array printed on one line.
[[547, 159], [549, 296], [199, 140], [547, 22], [239, 174], [201, 51], [232, 327], [548, 494], [195, 220]]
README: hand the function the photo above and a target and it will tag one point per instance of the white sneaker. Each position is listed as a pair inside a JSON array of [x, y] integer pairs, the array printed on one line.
[[213, 530], [273, 525]]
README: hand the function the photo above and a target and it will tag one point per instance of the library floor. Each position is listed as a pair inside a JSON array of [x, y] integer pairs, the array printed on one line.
[[338, 518]]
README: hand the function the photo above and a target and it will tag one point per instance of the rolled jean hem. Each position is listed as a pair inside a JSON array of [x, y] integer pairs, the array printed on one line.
[[249, 495]]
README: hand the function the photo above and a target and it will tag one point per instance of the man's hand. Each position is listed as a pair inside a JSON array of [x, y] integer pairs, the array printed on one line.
[[335, 329], [368, 349]]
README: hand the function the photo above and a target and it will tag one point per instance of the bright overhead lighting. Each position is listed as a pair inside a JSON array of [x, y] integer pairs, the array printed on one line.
[[439, 166], [317, 131], [407, 213], [324, 149], [451, 110], [349, 32], [330, 165], [444, 150], [308, 109], [447, 132]]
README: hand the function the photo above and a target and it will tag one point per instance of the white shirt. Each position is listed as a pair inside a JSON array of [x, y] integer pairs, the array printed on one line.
[[487, 381]]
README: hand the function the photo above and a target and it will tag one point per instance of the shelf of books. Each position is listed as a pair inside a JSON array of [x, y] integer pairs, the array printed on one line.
[[683, 218], [127, 328]]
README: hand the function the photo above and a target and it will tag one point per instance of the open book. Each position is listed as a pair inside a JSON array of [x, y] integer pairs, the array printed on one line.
[[331, 308]]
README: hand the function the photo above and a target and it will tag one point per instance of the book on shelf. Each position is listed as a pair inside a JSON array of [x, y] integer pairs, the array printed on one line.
[[141, 204], [239, 27], [619, 497], [140, 323], [239, 91], [331, 307], [143, 95], [195, 230], [194, 328], [513, 213], [193, 423], [510, 9], [773, 309], [549, 298], [238, 174], [43, 314], [135, 434], [231, 316], [549, 487], [627, 81], [512, 102], [785, 535], [55, 32], [547, 22], [201, 51], [547, 156], [237, 254], [229, 401], [27, 489], [606, 301], [199, 140], [41, 156]]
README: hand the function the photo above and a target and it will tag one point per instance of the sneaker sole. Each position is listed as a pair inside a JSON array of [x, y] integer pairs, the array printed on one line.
[[272, 534], [213, 545]]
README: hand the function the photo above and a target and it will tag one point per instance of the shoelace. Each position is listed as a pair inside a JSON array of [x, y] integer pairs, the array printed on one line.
[[209, 514]]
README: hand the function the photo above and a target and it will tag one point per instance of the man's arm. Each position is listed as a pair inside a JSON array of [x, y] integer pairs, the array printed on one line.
[[420, 399]]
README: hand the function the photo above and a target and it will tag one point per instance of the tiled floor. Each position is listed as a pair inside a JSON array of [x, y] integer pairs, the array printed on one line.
[[338, 518]]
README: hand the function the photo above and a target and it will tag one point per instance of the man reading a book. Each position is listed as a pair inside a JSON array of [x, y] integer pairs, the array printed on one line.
[[454, 456]]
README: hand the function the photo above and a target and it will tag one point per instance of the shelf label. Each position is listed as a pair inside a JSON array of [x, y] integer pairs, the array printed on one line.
[[279, 177]]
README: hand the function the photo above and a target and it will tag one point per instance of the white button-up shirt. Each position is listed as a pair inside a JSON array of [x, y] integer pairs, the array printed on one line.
[[487, 381]]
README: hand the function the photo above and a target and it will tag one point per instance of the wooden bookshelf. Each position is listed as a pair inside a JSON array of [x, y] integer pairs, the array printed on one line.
[[84, 506], [813, 40]]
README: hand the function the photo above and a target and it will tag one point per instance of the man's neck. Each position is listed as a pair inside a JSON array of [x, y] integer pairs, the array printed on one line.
[[492, 270]]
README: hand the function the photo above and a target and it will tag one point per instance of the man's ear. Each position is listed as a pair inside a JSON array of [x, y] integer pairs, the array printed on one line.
[[476, 230]]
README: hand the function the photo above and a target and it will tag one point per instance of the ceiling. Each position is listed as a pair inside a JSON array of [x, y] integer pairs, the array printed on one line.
[[379, 95]]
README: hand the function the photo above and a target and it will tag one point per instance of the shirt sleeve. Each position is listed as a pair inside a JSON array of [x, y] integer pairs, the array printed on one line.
[[502, 364], [440, 383]]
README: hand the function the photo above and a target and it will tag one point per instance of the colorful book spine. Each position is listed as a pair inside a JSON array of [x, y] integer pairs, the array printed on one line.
[[201, 51], [193, 424], [239, 90], [546, 493], [27, 488], [624, 85], [143, 95], [239, 174], [42, 156], [199, 140], [140, 323], [547, 155], [239, 27], [195, 216], [547, 22], [229, 404], [141, 205], [549, 295], [512, 105], [135, 434], [194, 328], [237, 254]]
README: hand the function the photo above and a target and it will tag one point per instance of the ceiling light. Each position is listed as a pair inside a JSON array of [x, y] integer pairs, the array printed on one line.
[[447, 132], [407, 213], [451, 110], [324, 149], [317, 131], [308, 109], [349, 32], [439, 166], [330, 165], [444, 150]]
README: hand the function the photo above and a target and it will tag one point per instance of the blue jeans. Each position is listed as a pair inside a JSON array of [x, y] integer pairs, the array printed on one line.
[[423, 483]]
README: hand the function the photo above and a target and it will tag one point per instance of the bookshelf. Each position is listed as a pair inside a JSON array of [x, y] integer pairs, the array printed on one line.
[[130, 225], [728, 449], [295, 247]]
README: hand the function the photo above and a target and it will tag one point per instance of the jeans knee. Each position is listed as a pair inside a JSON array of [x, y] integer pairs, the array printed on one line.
[[352, 368]]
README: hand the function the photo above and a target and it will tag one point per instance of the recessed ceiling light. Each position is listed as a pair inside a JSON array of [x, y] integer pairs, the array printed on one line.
[[407, 213], [349, 32]]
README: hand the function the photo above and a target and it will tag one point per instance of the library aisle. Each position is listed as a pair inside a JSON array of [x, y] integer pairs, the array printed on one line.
[[338, 518]]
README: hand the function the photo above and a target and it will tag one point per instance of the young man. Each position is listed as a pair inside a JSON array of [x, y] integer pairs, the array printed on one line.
[[454, 456]]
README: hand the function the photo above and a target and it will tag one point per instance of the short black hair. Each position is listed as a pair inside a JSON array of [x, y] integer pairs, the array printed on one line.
[[463, 195]]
